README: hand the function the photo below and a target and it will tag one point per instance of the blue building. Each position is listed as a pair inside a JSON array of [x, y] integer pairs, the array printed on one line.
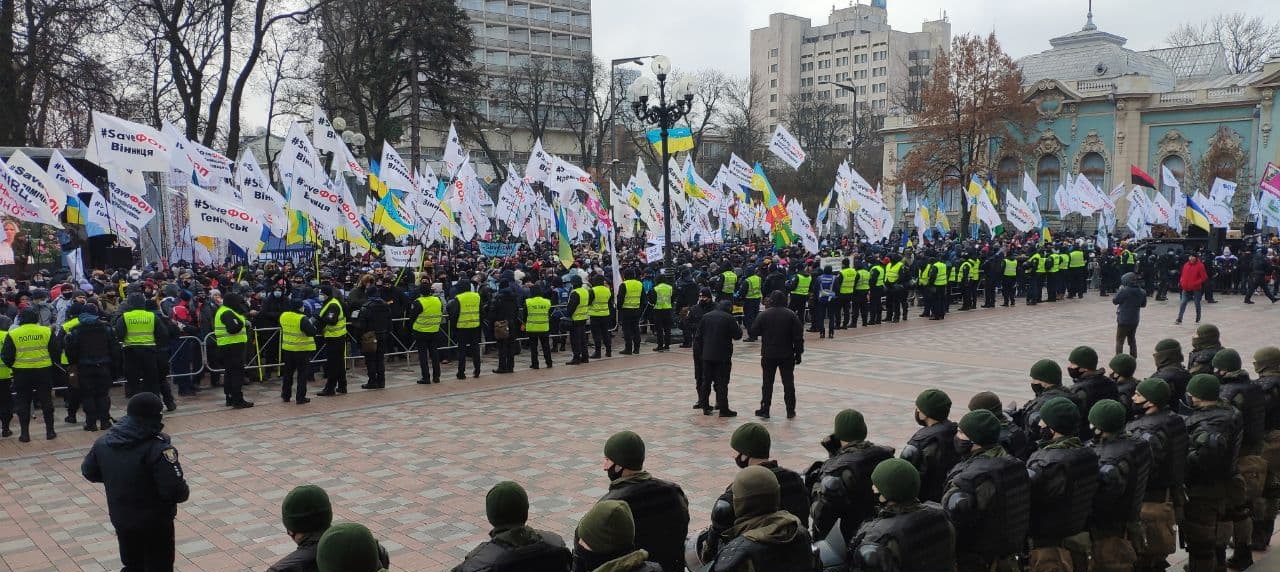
[[1104, 107]]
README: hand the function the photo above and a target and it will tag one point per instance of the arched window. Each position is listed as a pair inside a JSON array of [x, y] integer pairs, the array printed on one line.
[[1178, 167], [1048, 177], [1009, 175], [951, 190], [1094, 168]]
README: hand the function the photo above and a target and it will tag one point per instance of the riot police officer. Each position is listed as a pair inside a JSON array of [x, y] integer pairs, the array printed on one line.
[[512, 544], [1247, 397], [660, 508], [1091, 383], [1046, 383], [906, 535], [92, 348], [763, 537], [1204, 345], [1063, 476], [932, 449], [987, 497], [1124, 461], [1166, 434], [1168, 358], [1266, 364], [1213, 431], [1013, 439], [841, 486]]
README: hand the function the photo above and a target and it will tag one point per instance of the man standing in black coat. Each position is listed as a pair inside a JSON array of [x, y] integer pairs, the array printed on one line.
[[374, 323], [690, 327], [1129, 302], [502, 308], [714, 341], [781, 343], [144, 482]]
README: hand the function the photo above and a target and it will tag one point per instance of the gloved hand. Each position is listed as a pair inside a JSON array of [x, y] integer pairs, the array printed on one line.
[[798, 358]]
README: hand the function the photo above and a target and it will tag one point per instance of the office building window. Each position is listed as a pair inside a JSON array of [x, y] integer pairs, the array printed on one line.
[[773, 98], [773, 68], [1009, 174], [773, 53], [773, 83]]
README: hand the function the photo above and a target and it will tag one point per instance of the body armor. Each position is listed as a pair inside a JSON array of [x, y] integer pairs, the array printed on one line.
[[794, 555], [919, 538], [1089, 390], [1029, 416], [792, 492], [1270, 386], [1166, 434], [932, 451], [661, 516], [1213, 434], [1063, 482], [547, 554], [1000, 528], [1201, 360], [1250, 400], [847, 499], [1177, 377], [1124, 463]]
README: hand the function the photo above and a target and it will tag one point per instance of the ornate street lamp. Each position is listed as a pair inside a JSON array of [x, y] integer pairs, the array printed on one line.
[[663, 114]]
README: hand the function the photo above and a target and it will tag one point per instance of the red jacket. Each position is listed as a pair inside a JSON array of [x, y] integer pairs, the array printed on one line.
[[1193, 276]]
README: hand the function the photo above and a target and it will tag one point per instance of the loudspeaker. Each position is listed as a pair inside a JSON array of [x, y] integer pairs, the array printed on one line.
[[1217, 239], [119, 257], [102, 253]]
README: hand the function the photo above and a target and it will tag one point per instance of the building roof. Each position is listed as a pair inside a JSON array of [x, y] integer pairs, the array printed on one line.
[[1091, 54], [1199, 60]]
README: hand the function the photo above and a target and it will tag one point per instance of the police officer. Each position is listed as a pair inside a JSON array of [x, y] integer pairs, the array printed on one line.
[[144, 483], [230, 331], [297, 345], [465, 314], [1124, 461], [875, 300], [1013, 439], [1009, 279], [659, 507], [932, 449], [601, 312], [799, 286], [966, 275], [373, 321], [28, 351], [630, 294], [938, 280], [906, 535], [701, 384], [141, 332], [6, 384], [1123, 367], [607, 541], [333, 320], [763, 537], [987, 497], [844, 297], [826, 313], [1165, 433], [660, 299], [1213, 430], [425, 315], [1205, 344], [512, 544], [1168, 358], [749, 291], [728, 282], [1091, 383], [536, 317], [840, 487], [861, 291], [1046, 383], [781, 348], [1266, 364], [579, 311], [92, 347], [714, 344], [1248, 398], [895, 289], [1063, 476]]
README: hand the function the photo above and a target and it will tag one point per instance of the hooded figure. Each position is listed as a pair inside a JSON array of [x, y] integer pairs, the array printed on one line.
[[763, 537], [1129, 302]]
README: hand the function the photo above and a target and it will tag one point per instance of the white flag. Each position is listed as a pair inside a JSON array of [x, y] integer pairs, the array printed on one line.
[[71, 181], [786, 147], [394, 172], [1019, 213], [311, 195], [740, 173], [538, 169], [212, 215], [128, 145], [298, 158], [323, 136], [39, 189], [259, 196], [348, 212], [1161, 210], [1222, 192], [126, 202], [12, 202], [1167, 179], [97, 221], [454, 155]]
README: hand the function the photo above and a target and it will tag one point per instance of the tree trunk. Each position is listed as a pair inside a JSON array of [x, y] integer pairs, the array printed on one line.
[[12, 114]]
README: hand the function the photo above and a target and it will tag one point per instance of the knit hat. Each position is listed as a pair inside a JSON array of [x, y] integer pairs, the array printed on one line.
[[752, 440], [985, 400], [1107, 416], [1048, 371], [145, 405], [1204, 386], [755, 492], [1206, 335], [1168, 352], [1123, 364], [608, 528], [1227, 360], [1155, 390], [934, 403], [1061, 415], [626, 449], [850, 426], [981, 426], [306, 509], [1084, 357], [506, 504], [348, 547], [896, 479], [1266, 360]]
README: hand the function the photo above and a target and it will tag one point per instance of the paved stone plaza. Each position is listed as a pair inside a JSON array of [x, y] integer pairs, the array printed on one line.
[[413, 462]]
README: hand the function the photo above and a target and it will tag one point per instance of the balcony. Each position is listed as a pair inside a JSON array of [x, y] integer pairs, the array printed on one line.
[[1224, 92], [1178, 97], [1086, 86]]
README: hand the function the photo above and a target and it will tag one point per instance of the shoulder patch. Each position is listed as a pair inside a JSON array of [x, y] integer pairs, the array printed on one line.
[[170, 455]]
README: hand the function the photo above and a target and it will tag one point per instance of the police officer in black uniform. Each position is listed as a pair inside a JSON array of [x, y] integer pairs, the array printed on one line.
[[1063, 476], [512, 544], [1091, 384], [1266, 364], [841, 486], [1247, 397], [1013, 439], [1168, 358], [1213, 430], [1046, 383], [932, 449], [1165, 432], [987, 497], [1124, 461], [92, 347], [144, 483], [763, 536], [906, 535], [660, 508], [1205, 344]]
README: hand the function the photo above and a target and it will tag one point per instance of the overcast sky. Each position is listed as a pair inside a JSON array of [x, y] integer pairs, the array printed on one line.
[[716, 33]]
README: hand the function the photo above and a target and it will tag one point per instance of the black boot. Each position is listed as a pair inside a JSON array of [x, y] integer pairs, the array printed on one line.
[[1242, 558], [1262, 530]]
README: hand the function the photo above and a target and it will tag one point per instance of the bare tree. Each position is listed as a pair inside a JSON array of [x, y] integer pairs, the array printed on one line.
[[533, 92], [742, 117], [287, 79], [710, 89], [1248, 40], [584, 107]]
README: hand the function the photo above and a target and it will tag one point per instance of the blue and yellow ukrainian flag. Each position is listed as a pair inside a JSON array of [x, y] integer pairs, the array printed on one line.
[[75, 210], [300, 229], [691, 187], [388, 213], [1196, 215], [678, 139], [564, 249]]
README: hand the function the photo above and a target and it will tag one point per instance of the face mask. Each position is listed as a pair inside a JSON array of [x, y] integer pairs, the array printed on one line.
[[277, 294], [1114, 376], [1045, 434], [1037, 389], [585, 560], [919, 419], [741, 461], [66, 295], [1136, 410], [323, 298], [1074, 372], [964, 447], [614, 472]]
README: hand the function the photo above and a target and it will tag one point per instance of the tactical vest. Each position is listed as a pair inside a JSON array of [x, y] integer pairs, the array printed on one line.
[[221, 337], [31, 346], [548, 553], [631, 299], [802, 285], [848, 280], [1001, 529], [1213, 434], [1166, 433], [730, 282], [1030, 414], [600, 306], [661, 518], [292, 338], [921, 540], [1270, 385], [753, 287], [934, 469], [662, 297], [537, 315], [583, 310], [1248, 398], [339, 328], [794, 555], [1201, 361], [428, 321], [792, 492], [860, 502], [140, 329], [1111, 511], [1067, 514]]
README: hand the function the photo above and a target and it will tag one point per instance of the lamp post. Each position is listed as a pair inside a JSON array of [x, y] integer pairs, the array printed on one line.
[[664, 114], [853, 137]]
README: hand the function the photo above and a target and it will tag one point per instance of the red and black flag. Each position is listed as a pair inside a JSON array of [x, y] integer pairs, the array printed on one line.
[[1141, 178]]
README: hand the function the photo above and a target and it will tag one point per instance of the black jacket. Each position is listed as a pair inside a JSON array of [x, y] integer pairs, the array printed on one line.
[[304, 558], [375, 317], [1129, 301], [780, 331], [140, 469], [716, 332]]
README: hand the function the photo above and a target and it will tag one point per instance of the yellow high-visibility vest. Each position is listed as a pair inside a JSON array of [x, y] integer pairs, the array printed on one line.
[[753, 287], [848, 280], [864, 281], [600, 306], [220, 335], [31, 345], [139, 329], [891, 272], [940, 279], [5, 372], [339, 328], [468, 311], [583, 311], [428, 322], [802, 284], [730, 282], [537, 314], [662, 297], [631, 299], [67, 326], [292, 338]]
